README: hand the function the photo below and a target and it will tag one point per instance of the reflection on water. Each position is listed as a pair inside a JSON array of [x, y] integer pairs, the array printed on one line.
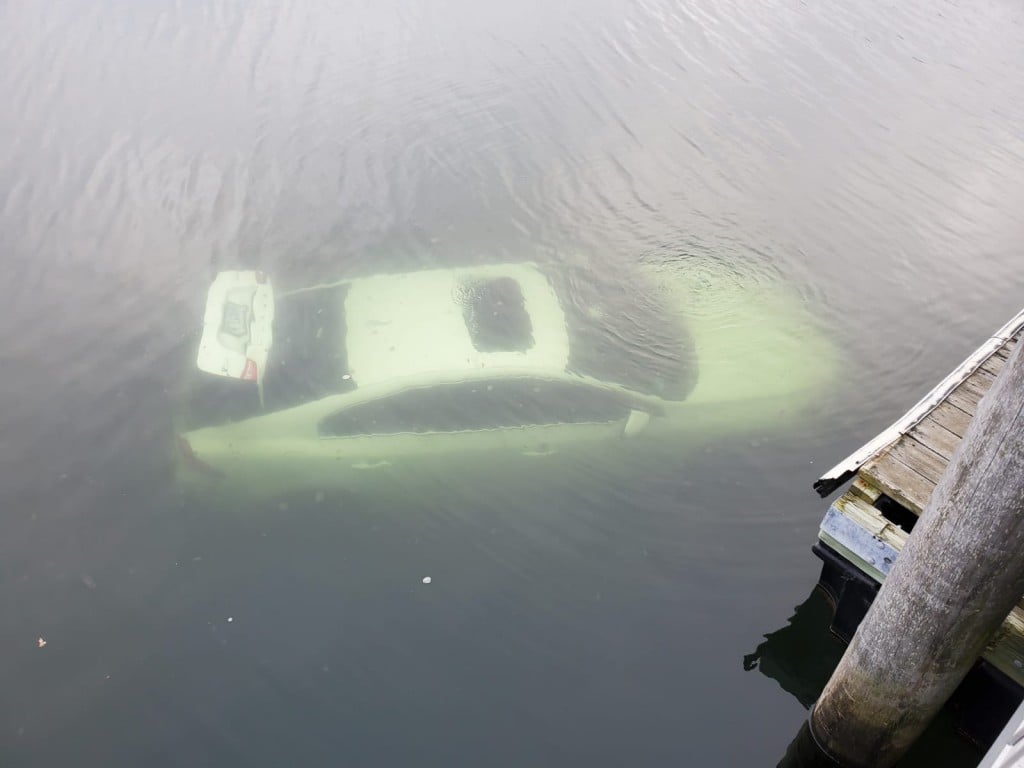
[[801, 656], [938, 746], [804, 752], [868, 158]]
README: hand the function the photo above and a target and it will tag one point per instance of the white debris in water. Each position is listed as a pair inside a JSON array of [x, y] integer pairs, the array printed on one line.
[[426, 579], [40, 643], [230, 619], [346, 376]]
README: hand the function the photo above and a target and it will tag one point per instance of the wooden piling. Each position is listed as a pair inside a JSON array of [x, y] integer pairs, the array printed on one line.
[[959, 575]]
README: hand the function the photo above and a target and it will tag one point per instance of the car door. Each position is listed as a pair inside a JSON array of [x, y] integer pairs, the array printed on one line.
[[476, 435], [437, 439], [565, 432]]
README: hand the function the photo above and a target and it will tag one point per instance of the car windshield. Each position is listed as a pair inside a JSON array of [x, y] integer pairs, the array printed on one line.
[[308, 359]]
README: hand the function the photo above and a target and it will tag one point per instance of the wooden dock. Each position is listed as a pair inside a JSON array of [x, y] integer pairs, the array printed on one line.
[[893, 477]]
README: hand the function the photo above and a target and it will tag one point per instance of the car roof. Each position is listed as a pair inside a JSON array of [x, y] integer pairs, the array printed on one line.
[[446, 321]]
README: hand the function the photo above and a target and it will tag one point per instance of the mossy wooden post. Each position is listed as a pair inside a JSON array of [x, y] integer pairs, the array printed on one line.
[[960, 574]]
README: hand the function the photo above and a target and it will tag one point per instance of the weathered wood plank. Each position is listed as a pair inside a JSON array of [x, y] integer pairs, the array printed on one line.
[[848, 467], [908, 470], [993, 365], [1006, 650], [862, 535], [969, 394], [899, 481], [1007, 349], [861, 488], [981, 379], [950, 417], [936, 437], [964, 400], [919, 457]]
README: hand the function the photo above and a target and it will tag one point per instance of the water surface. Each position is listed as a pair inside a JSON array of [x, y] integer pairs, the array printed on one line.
[[869, 158]]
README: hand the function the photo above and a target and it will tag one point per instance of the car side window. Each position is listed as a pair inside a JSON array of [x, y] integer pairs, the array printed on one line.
[[477, 405]]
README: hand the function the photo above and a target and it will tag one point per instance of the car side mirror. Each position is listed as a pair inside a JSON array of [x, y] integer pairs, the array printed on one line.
[[636, 423]]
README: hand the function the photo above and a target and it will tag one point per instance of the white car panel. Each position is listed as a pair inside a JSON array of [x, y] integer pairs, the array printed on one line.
[[237, 326], [404, 326]]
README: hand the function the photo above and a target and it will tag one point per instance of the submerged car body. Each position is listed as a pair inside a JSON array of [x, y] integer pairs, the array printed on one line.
[[495, 370]]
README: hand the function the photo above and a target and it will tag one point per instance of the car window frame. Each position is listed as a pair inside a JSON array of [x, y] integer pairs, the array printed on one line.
[[632, 400]]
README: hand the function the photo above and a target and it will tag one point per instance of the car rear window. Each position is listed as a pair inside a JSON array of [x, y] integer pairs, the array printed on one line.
[[495, 314], [478, 405], [627, 337]]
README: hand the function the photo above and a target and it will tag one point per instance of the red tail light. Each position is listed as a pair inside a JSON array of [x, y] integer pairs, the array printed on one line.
[[249, 372], [193, 462]]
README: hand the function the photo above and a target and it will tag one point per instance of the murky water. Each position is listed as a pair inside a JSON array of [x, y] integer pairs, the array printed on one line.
[[870, 159]]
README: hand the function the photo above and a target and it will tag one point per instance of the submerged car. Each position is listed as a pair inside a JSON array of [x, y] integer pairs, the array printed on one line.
[[493, 370]]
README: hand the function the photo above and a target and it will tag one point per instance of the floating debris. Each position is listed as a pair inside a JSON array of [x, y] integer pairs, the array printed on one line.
[[427, 579], [40, 643], [230, 619]]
